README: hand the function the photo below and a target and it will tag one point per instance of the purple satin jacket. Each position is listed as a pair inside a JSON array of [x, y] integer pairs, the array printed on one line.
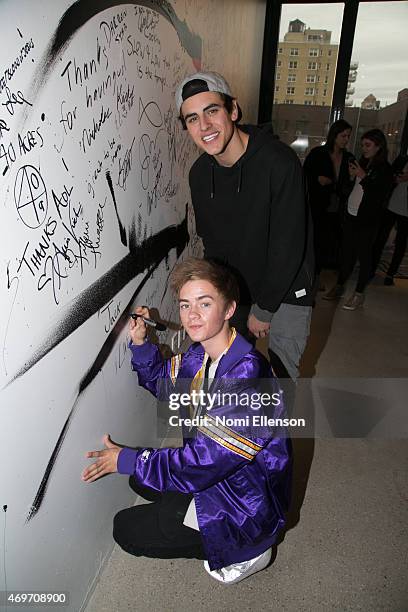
[[239, 474]]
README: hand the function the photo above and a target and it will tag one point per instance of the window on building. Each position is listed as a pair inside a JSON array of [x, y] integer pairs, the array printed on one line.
[[327, 66], [329, 52], [309, 91], [291, 78], [293, 64], [290, 90], [311, 65], [288, 101], [325, 92], [294, 51], [313, 52], [276, 88], [326, 79], [279, 63], [278, 76], [310, 78], [307, 103], [280, 50]]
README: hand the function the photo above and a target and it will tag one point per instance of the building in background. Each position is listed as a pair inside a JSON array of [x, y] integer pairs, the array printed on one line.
[[352, 77], [306, 66], [370, 102], [304, 128]]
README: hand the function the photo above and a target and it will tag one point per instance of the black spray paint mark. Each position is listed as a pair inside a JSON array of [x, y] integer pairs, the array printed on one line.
[[86, 380], [141, 258], [5, 549], [82, 11], [65, 165], [178, 240], [21, 36], [122, 230]]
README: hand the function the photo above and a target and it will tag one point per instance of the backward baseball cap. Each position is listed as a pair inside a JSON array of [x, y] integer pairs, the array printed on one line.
[[199, 83]]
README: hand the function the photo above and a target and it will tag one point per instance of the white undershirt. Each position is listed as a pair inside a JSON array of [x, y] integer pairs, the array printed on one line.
[[355, 197], [190, 520], [399, 198]]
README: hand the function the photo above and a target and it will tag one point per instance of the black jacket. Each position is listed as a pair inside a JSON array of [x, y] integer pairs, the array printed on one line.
[[253, 217], [318, 163], [377, 187]]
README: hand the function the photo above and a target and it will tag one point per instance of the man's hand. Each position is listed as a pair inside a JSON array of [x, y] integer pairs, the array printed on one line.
[[260, 329], [137, 328], [107, 462]]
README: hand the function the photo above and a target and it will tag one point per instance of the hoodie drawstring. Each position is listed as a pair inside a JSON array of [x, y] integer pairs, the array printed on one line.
[[239, 178], [212, 182], [212, 190]]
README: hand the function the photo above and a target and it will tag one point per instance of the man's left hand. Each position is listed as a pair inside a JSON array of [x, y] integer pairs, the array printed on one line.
[[107, 461], [260, 329]]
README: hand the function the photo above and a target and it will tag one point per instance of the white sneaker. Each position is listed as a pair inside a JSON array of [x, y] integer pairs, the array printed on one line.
[[239, 571], [354, 302]]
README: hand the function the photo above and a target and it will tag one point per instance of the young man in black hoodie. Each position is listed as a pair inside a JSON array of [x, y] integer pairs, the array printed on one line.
[[248, 199]]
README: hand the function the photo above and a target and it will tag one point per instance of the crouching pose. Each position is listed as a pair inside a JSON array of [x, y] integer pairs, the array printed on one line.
[[222, 496]]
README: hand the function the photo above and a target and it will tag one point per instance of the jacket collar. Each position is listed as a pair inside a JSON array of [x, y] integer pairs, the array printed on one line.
[[237, 350]]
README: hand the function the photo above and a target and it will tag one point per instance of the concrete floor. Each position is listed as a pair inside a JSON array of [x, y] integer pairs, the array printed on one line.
[[346, 545]]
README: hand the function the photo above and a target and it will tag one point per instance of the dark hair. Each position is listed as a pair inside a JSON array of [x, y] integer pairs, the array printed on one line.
[[377, 137], [229, 107], [194, 268], [335, 129]]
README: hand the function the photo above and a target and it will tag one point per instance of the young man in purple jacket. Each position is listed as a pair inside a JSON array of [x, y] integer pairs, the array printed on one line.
[[222, 496]]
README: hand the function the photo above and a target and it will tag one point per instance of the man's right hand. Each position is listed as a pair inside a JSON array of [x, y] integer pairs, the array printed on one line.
[[137, 327]]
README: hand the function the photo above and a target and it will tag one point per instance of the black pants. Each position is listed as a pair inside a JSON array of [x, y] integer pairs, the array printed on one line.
[[156, 530], [327, 240], [358, 241], [388, 221]]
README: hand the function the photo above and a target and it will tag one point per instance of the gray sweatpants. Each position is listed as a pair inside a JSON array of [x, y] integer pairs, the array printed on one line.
[[288, 334]]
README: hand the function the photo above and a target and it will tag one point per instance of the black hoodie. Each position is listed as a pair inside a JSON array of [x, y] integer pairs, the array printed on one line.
[[253, 217]]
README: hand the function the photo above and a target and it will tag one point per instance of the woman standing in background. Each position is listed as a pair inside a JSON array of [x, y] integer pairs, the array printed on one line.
[[328, 185], [372, 185], [395, 214]]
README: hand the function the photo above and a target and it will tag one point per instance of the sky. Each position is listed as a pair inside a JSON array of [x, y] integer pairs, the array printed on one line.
[[380, 43]]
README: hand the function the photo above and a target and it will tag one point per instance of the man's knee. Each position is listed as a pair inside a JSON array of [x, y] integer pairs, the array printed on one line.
[[120, 527]]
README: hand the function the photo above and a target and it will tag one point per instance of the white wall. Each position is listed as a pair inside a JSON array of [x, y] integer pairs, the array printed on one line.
[[71, 266]]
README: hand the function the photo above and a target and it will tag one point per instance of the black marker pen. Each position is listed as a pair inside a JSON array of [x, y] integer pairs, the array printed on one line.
[[151, 322]]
